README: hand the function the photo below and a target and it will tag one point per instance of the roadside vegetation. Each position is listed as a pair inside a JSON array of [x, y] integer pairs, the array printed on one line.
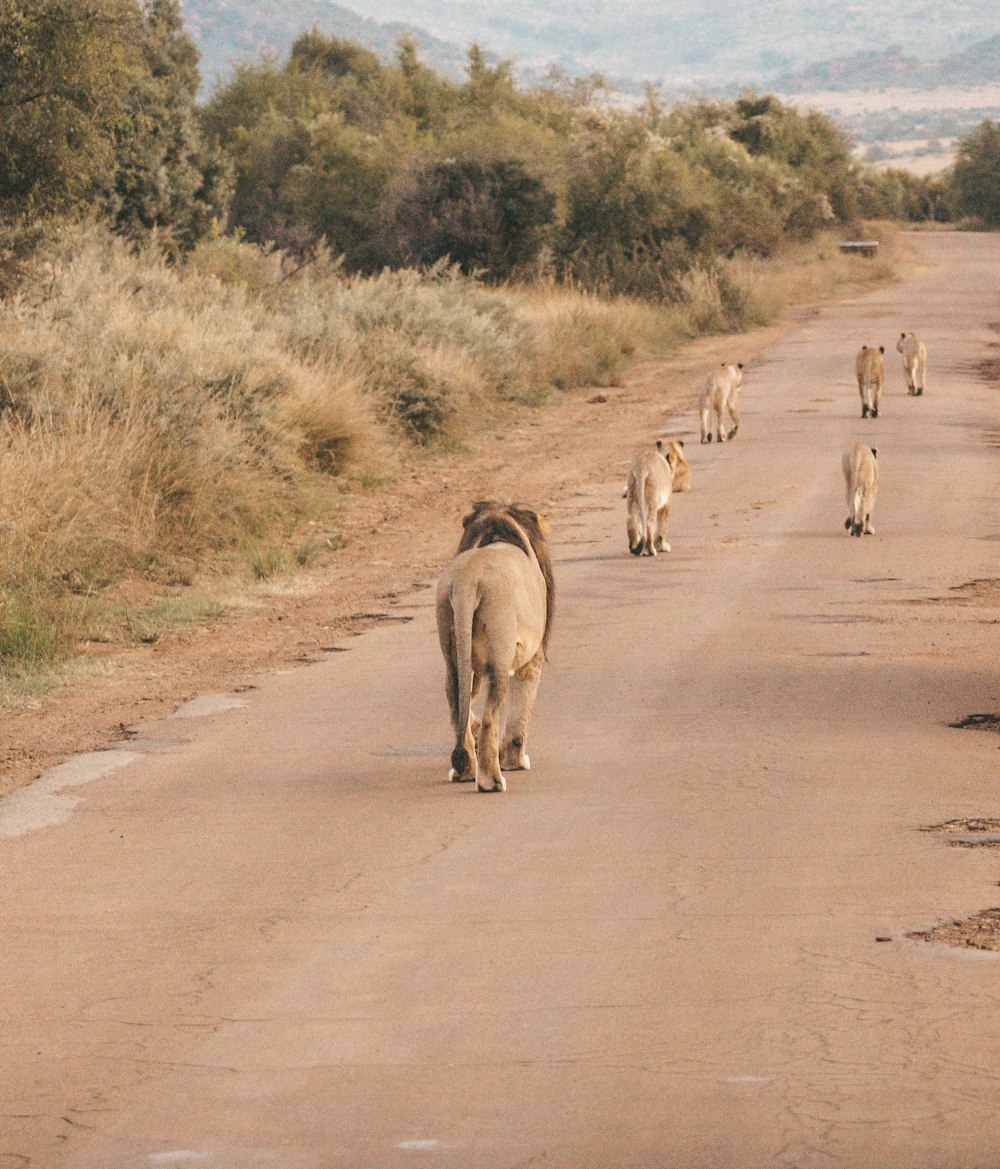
[[220, 322]]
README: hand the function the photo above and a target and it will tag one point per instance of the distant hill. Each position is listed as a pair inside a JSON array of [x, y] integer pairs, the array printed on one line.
[[227, 31], [979, 64], [673, 42]]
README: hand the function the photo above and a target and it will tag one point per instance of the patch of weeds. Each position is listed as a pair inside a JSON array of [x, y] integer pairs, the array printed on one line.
[[29, 635], [306, 554], [266, 561]]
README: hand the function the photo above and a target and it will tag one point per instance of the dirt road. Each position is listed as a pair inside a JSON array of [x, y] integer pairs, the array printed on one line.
[[274, 938]]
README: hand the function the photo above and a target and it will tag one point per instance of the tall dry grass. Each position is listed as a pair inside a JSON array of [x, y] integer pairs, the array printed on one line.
[[157, 418]]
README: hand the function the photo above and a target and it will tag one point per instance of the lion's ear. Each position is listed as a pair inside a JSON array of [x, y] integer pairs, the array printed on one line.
[[543, 523], [478, 508], [739, 365], [524, 515]]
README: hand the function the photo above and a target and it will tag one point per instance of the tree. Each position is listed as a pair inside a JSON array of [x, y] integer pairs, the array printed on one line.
[[489, 89], [976, 174], [166, 177], [810, 144], [636, 212], [488, 217], [65, 71]]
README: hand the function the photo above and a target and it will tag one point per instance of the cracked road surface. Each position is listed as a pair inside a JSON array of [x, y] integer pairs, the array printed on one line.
[[272, 937]]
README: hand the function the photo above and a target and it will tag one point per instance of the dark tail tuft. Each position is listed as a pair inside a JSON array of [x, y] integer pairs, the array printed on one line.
[[460, 761]]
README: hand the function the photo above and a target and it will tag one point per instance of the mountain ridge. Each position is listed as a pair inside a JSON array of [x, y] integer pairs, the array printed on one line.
[[242, 29], [688, 43], [979, 64]]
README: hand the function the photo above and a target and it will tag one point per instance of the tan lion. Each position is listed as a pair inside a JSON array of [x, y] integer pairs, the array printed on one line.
[[495, 607], [682, 468], [651, 479], [861, 478], [719, 393], [914, 353], [870, 370]]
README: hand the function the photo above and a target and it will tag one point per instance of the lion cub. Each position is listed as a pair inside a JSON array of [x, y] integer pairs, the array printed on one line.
[[914, 353], [719, 393], [870, 370], [861, 478], [652, 476]]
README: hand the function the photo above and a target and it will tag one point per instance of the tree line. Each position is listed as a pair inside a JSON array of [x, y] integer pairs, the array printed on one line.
[[393, 165]]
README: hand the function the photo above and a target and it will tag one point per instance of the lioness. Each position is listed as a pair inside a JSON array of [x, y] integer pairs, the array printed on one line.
[[914, 353], [719, 393], [870, 370], [861, 478], [648, 488], [682, 468], [495, 606]]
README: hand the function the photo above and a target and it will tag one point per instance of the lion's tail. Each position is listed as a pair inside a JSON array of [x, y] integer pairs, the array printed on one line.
[[464, 609], [640, 489], [859, 503]]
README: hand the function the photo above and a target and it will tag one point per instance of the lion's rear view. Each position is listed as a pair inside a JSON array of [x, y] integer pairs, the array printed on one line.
[[648, 489], [914, 353], [860, 468], [495, 605], [870, 370]]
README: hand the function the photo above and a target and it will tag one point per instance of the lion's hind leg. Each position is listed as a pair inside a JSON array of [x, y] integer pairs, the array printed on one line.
[[489, 777], [464, 759], [464, 763], [650, 541], [520, 703], [734, 415], [662, 518]]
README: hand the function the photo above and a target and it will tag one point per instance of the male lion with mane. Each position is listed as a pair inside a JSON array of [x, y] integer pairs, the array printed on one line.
[[495, 607]]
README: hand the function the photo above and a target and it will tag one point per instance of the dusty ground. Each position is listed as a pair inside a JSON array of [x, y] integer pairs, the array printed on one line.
[[395, 538]]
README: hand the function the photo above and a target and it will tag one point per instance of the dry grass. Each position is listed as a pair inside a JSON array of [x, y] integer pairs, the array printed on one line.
[[155, 420], [582, 340]]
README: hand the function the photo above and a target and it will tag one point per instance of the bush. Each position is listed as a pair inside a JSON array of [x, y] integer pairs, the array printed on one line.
[[976, 174], [490, 218]]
